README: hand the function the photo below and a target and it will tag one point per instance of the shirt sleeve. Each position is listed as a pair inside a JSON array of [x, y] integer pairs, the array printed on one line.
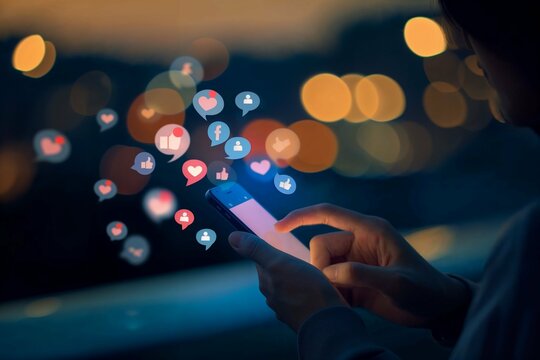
[[338, 333]]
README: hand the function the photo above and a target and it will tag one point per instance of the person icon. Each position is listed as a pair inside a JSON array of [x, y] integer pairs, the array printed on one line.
[[248, 100], [205, 236], [184, 217], [238, 146]]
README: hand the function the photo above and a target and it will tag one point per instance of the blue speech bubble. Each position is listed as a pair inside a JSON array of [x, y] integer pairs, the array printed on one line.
[[52, 146], [106, 119], [117, 230], [144, 163], [208, 102], [136, 250], [247, 101], [237, 148], [218, 132], [190, 66], [284, 184], [206, 237], [105, 189]]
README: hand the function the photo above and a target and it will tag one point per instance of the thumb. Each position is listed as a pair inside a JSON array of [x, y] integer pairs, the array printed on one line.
[[253, 247], [149, 160], [223, 171], [354, 274]]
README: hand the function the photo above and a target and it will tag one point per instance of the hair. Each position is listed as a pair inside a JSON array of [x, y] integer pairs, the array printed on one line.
[[508, 29]]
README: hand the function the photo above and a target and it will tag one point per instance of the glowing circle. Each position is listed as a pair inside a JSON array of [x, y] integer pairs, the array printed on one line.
[[326, 97], [318, 146], [29, 53], [424, 37]]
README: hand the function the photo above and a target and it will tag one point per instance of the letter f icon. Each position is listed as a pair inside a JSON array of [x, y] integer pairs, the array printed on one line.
[[217, 132]]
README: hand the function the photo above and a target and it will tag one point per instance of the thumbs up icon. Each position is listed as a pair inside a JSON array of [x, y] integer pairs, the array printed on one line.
[[286, 185], [148, 164], [280, 145], [223, 175]]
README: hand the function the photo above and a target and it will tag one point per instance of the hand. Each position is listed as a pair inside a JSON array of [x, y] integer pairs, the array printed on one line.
[[293, 288], [375, 267]]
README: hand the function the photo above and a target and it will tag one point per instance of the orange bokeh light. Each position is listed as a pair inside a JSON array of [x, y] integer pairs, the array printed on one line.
[[256, 132], [318, 146], [326, 97], [425, 37], [444, 109], [29, 53], [380, 97]]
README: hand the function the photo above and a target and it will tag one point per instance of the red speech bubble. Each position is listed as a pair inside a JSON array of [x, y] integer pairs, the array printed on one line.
[[184, 218], [194, 170]]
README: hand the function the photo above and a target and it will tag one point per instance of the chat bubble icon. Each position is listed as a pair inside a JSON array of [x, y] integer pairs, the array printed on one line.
[[206, 237], [219, 173], [247, 101], [105, 189], [52, 146], [189, 66], [208, 102], [284, 184], [194, 170], [144, 163], [159, 204], [136, 250], [184, 218], [106, 119], [172, 139], [117, 230], [237, 148], [218, 132]]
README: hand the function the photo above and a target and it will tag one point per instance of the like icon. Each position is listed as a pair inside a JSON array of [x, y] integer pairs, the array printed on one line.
[[144, 163], [285, 184], [194, 170], [173, 140]]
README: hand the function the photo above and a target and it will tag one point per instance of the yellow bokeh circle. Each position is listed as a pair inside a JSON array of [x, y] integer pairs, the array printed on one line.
[[424, 37], [326, 97]]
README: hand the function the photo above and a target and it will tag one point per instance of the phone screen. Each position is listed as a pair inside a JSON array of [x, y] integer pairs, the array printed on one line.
[[256, 218]]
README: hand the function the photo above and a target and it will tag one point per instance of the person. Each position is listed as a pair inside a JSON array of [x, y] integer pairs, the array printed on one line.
[[368, 264]]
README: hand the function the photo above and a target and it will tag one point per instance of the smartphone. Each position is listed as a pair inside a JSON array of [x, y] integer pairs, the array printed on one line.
[[246, 214]]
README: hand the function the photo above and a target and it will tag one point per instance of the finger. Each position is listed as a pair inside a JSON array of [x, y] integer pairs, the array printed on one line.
[[325, 214], [254, 248], [324, 247], [354, 274]]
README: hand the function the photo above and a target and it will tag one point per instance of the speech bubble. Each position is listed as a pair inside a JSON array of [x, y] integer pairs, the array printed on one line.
[[284, 184], [52, 146], [218, 132], [282, 144], [206, 237], [159, 204], [184, 218], [172, 139], [208, 102], [136, 250], [144, 163], [219, 172], [194, 170], [117, 230], [105, 189], [190, 66], [237, 148], [247, 101], [106, 119]]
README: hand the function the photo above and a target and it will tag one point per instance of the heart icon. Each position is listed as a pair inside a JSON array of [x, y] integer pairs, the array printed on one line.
[[158, 207], [107, 118], [49, 147], [104, 189], [195, 170], [260, 167], [207, 103], [116, 231], [147, 113]]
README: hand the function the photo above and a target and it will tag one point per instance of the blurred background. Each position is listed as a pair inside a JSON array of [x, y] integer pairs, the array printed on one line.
[[393, 116]]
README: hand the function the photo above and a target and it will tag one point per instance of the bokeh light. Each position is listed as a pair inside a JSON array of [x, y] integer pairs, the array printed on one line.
[[90, 93], [143, 122], [116, 165], [420, 148], [46, 64], [443, 68], [212, 54], [424, 36], [473, 81], [351, 160], [355, 115], [42, 307], [170, 92], [318, 146], [16, 171], [326, 97], [256, 132], [282, 144], [380, 97], [29, 53], [432, 242], [380, 141], [446, 109]]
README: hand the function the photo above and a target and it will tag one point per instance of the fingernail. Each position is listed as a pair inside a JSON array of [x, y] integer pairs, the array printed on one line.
[[330, 273]]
